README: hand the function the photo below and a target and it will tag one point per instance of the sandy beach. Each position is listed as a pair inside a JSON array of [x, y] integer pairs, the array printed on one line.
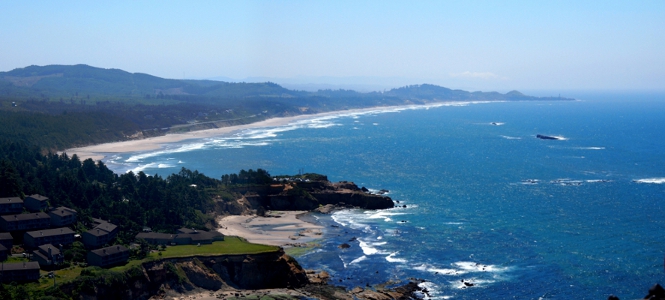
[[278, 228], [100, 151]]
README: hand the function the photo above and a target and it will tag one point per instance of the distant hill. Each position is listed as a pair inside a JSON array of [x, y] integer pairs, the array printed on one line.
[[82, 81], [91, 83], [61, 106]]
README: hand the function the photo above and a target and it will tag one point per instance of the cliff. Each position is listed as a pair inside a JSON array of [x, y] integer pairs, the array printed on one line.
[[179, 275], [301, 195], [255, 275]]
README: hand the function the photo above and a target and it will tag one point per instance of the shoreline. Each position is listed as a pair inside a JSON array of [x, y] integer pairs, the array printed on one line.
[[277, 228], [101, 151]]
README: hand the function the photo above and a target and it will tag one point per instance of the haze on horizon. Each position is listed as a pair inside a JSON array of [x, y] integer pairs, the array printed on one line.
[[472, 45]]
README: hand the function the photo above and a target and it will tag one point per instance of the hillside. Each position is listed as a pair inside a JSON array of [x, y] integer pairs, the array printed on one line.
[[69, 106]]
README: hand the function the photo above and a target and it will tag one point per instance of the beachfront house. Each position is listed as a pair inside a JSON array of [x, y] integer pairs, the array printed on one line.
[[62, 216], [100, 235], [57, 236], [6, 239], [20, 222], [11, 206], [108, 256], [35, 203], [48, 255], [19, 272]]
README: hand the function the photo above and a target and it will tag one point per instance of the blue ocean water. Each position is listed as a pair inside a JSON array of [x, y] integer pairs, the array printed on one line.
[[487, 203]]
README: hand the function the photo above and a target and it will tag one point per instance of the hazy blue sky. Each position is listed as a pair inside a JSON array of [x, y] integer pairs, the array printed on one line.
[[461, 44]]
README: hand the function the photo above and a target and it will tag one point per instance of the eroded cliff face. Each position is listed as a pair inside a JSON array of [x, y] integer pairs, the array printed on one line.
[[178, 275], [301, 195]]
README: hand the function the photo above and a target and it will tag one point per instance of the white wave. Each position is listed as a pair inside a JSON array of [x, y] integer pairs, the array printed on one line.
[[597, 180], [181, 148], [357, 260], [511, 137], [375, 124], [350, 218], [180, 162], [140, 168], [355, 128], [391, 258], [453, 223], [478, 267], [497, 123], [474, 282], [440, 271], [369, 249], [165, 166], [656, 180], [589, 148]]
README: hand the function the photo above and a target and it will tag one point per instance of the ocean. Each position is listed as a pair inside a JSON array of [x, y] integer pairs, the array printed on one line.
[[492, 212]]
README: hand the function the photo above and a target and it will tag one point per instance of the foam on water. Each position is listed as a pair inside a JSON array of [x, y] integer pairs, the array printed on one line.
[[655, 180], [391, 258], [357, 260], [510, 137]]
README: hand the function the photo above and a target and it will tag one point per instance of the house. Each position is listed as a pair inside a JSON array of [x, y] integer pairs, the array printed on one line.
[[62, 216], [4, 252], [35, 203], [19, 272], [20, 222], [11, 205], [108, 256], [6, 239], [34, 239], [100, 235], [48, 255]]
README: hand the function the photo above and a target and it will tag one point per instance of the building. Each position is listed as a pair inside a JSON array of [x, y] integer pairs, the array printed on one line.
[[100, 235], [6, 239], [48, 255], [62, 216], [21, 222], [4, 253], [109, 256], [11, 205], [57, 236], [183, 237], [19, 272], [35, 203]]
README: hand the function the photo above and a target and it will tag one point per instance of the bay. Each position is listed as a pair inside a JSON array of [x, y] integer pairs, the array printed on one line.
[[487, 203]]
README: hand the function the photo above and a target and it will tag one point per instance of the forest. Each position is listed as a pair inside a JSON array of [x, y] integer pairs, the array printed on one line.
[[59, 107]]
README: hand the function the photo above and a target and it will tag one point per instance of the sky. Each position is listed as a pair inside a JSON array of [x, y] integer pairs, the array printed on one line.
[[473, 45]]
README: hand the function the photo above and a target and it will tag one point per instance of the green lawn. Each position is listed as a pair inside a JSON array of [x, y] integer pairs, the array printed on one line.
[[230, 245]]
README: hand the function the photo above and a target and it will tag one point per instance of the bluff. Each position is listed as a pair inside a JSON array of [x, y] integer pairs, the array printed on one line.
[[290, 194], [252, 271]]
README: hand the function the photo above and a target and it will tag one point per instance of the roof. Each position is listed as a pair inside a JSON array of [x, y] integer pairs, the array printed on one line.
[[54, 249], [25, 217], [110, 250], [187, 230], [6, 236], [28, 265], [10, 200], [102, 229], [2, 248], [154, 235], [50, 232], [37, 197], [62, 211]]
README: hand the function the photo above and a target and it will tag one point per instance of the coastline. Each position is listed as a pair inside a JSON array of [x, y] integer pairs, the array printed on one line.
[[101, 151]]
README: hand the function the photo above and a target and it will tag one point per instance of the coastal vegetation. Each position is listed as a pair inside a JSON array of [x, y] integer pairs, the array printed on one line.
[[59, 107]]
